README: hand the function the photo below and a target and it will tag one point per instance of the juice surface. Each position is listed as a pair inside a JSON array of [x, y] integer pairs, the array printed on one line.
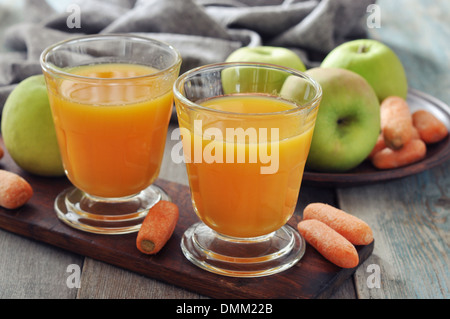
[[112, 132], [234, 197]]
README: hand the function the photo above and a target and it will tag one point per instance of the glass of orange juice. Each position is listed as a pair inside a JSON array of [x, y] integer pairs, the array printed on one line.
[[111, 99], [246, 130]]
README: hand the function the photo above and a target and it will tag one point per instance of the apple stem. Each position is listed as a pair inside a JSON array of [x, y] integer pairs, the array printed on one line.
[[362, 49]]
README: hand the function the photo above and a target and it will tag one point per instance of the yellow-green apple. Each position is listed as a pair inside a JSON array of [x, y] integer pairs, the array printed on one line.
[[297, 89], [257, 80], [28, 130], [375, 62], [348, 121]]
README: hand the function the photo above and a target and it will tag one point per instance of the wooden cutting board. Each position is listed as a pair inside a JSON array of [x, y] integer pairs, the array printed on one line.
[[311, 277]]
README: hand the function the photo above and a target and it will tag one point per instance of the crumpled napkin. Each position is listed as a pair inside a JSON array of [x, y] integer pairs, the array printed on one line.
[[204, 31]]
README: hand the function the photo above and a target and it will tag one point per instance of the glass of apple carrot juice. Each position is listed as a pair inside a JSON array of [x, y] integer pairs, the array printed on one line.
[[246, 130], [111, 98]]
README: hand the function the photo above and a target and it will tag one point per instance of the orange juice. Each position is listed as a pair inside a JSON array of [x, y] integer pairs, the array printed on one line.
[[112, 132], [235, 197]]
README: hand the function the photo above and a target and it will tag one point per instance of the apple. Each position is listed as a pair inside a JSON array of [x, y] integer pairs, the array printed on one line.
[[297, 89], [348, 121], [28, 130], [240, 80], [375, 62], [267, 54]]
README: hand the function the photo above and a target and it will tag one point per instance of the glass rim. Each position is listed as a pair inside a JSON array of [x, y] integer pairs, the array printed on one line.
[[49, 67], [311, 104]]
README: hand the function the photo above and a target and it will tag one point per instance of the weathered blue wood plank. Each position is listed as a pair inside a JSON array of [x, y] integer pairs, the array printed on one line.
[[419, 32], [410, 221], [410, 216]]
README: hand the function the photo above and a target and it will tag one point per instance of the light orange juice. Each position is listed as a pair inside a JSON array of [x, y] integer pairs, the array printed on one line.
[[111, 133], [235, 198]]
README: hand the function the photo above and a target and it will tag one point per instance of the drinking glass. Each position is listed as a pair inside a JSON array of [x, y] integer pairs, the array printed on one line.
[[246, 130], [111, 99]]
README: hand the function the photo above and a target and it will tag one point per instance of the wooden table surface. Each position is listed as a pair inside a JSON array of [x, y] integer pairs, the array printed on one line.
[[409, 216]]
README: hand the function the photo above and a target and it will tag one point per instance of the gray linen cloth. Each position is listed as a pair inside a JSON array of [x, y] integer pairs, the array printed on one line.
[[203, 31]]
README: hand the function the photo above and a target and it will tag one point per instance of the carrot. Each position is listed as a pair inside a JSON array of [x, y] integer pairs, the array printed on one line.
[[379, 145], [329, 243], [431, 130], [14, 190], [157, 227], [351, 227], [415, 134], [396, 122], [412, 152]]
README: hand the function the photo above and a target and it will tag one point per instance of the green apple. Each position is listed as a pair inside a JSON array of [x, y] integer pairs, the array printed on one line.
[[375, 62], [267, 54], [28, 130], [297, 89], [241, 80], [348, 121]]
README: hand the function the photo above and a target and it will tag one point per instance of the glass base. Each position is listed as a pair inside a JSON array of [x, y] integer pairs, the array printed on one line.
[[106, 215], [242, 257]]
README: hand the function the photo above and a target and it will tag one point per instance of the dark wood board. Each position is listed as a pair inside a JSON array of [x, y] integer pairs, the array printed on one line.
[[311, 277]]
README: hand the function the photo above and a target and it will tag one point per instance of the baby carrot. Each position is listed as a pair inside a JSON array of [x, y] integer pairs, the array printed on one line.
[[329, 243], [396, 122], [379, 145], [157, 227], [351, 227], [412, 152], [415, 134], [431, 129], [14, 190]]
